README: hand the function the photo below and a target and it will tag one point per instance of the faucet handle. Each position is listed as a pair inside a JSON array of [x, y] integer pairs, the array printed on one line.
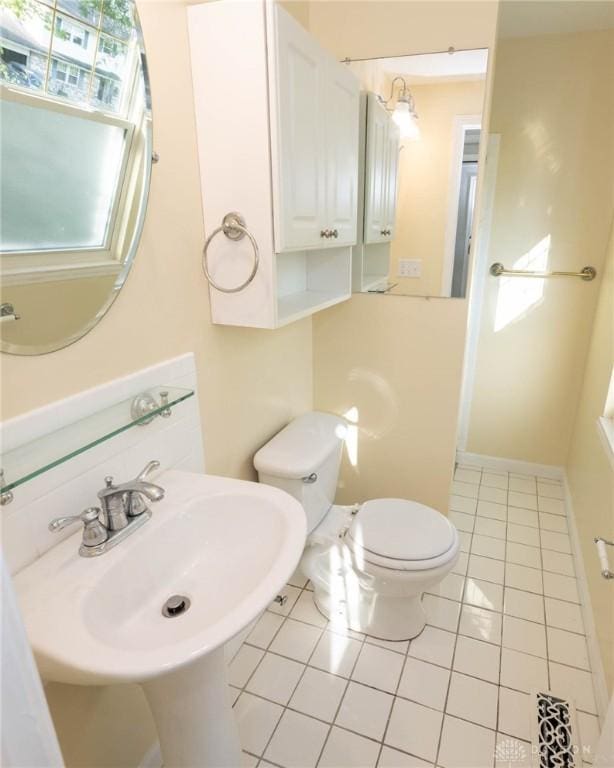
[[94, 532], [147, 469]]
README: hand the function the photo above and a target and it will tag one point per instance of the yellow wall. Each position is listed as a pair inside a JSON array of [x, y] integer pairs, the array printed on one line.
[[590, 474], [424, 182], [553, 106], [397, 359]]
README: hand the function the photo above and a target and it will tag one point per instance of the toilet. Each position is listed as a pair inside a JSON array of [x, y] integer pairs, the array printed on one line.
[[369, 564]]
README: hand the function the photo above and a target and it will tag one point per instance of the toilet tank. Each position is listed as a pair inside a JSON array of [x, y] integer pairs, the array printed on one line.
[[303, 460]]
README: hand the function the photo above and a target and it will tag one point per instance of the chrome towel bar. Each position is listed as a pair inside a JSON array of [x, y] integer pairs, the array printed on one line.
[[497, 270], [233, 226]]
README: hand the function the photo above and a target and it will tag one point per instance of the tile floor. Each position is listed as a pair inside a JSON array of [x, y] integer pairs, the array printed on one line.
[[311, 693]]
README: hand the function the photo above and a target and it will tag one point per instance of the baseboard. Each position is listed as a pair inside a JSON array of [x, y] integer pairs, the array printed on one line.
[[511, 465], [594, 653]]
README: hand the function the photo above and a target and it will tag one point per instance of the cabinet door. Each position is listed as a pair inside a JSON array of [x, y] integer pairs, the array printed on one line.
[[342, 115], [297, 89], [393, 141], [376, 171]]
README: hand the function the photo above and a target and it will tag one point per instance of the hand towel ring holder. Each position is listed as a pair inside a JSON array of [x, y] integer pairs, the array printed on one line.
[[233, 226]]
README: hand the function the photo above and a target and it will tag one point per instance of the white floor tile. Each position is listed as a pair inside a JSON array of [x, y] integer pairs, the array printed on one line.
[[486, 569], [462, 521], [243, 664], [492, 510], [524, 500], [576, 684], [297, 742], [336, 653], [550, 490], [553, 506], [292, 594], [567, 648], [392, 758], [474, 700], [256, 719], [378, 667], [296, 640], [433, 645], [470, 490], [464, 541], [523, 605], [441, 612], [365, 710], [561, 587], [484, 594], [548, 522], [495, 480], [520, 516], [298, 579], [521, 554], [521, 577], [348, 750], [461, 564], [486, 546], [523, 672], [490, 493], [559, 542], [305, 610], [424, 683], [318, 694], [480, 624], [524, 636], [558, 562], [248, 761], [463, 504], [265, 629], [485, 526], [511, 752], [275, 678], [564, 615], [468, 475], [399, 646], [514, 713], [523, 534], [451, 587], [523, 485], [465, 745], [589, 735], [414, 728], [477, 659]]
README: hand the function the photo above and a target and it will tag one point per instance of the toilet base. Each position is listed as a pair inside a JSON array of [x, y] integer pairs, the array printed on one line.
[[393, 618]]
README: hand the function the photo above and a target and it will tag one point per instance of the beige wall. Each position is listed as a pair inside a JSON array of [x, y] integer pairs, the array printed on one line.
[[553, 105], [590, 474], [398, 360], [250, 382], [424, 182]]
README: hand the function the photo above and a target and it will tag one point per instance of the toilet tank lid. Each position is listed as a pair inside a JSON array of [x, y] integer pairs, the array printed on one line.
[[302, 446]]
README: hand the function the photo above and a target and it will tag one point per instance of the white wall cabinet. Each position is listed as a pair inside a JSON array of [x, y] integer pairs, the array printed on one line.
[[277, 126], [381, 173]]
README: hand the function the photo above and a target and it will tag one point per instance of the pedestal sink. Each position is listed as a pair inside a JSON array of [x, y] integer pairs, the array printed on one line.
[[228, 546]]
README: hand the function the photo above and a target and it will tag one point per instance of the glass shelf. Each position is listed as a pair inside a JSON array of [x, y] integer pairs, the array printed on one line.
[[33, 459]]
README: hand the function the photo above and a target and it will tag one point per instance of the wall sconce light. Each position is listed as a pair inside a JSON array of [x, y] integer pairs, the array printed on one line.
[[404, 113]]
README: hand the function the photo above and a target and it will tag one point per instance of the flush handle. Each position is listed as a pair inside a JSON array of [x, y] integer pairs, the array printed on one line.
[[310, 479]]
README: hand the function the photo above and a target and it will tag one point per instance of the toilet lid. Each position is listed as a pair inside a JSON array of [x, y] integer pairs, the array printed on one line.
[[398, 529]]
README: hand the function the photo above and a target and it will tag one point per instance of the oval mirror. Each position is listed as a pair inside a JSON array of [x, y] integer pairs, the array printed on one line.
[[76, 149]]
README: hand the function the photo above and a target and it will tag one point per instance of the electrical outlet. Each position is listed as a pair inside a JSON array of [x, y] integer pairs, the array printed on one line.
[[410, 268]]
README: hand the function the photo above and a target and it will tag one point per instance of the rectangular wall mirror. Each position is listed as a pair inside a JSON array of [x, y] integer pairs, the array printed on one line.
[[420, 124]]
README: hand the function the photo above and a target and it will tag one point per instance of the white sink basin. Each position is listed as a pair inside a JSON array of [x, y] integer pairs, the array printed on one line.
[[227, 545]]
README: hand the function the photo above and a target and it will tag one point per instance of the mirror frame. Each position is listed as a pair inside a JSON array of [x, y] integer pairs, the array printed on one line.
[[43, 349]]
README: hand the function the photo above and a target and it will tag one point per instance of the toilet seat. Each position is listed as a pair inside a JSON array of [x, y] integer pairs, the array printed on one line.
[[402, 535]]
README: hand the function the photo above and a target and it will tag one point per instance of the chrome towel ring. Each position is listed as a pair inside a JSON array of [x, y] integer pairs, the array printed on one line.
[[233, 226]]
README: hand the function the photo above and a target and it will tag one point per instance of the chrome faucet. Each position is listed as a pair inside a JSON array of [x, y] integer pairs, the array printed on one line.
[[123, 511]]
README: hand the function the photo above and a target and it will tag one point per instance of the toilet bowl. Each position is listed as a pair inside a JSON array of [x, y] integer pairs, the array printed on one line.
[[368, 564]]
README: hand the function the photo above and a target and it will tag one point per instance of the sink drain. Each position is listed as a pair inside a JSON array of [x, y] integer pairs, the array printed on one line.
[[175, 606]]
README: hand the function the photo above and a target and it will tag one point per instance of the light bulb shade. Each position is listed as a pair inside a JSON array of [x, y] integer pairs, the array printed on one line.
[[406, 120]]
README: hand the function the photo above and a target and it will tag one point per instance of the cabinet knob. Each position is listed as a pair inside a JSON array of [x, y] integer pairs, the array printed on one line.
[[335, 233], [386, 232], [325, 233]]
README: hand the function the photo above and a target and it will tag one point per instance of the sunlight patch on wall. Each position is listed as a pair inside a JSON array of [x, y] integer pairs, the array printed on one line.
[[518, 295], [351, 435]]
